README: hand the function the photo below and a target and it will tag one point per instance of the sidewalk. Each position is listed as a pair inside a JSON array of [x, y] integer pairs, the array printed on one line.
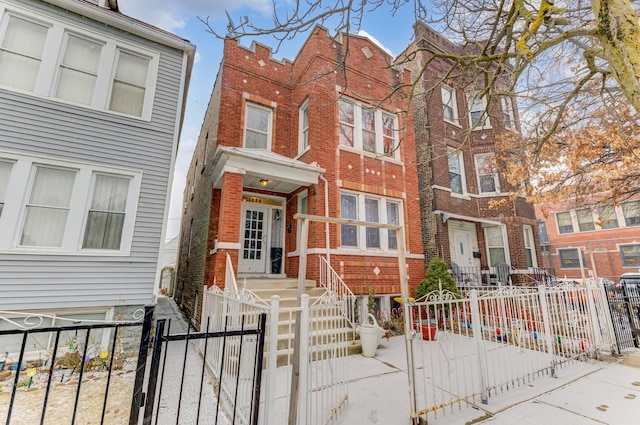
[[588, 393]]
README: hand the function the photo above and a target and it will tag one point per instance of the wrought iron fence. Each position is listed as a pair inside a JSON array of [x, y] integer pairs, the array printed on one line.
[[624, 304]]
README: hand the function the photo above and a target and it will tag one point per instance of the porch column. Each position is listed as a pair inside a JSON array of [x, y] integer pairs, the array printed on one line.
[[229, 224]]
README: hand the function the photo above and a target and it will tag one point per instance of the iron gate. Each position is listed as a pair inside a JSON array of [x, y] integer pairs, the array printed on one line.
[[624, 304], [92, 371]]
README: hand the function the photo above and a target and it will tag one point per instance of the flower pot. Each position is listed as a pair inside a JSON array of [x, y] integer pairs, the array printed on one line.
[[428, 330], [370, 335]]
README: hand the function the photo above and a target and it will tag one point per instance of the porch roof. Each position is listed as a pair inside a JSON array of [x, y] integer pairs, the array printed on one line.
[[281, 174], [447, 215]]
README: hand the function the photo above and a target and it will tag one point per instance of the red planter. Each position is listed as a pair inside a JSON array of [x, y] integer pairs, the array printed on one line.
[[428, 330]]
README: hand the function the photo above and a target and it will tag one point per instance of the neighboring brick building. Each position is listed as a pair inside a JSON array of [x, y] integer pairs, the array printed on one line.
[[455, 137], [278, 138], [608, 236]]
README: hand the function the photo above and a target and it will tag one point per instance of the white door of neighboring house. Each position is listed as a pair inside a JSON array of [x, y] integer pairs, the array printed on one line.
[[463, 248], [253, 252]]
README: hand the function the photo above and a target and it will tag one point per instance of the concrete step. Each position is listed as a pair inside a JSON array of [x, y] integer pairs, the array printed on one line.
[[255, 283], [285, 356], [287, 294]]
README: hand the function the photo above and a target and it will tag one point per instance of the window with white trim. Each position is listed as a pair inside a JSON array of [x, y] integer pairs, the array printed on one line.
[[449, 105], [374, 209], [21, 52], [367, 129], [478, 117], [303, 208], [607, 217], [5, 172], [68, 207], [585, 220], [56, 60], [487, 177], [565, 225], [456, 171], [257, 127], [630, 255], [495, 245], [508, 117], [631, 211], [569, 258], [303, 126], [529, 248], [79, 69]]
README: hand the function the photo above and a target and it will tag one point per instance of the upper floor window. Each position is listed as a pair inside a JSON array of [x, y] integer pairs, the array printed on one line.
[[569, 259], [507, 113], [79, 70], [304, 127], [478, 117], [630, 255], [367, 129], [487, 177], [129, 84], [565, 225], [449, 106], [21, 52], [68, 207], [456, 172], [51, 59], [631, 211], [5, 172], [608, 217], [374, 210], [542, 229], [257, 134], [585, 220]]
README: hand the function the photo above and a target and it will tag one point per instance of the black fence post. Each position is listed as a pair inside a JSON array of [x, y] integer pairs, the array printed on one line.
[[153, 372], [138, 395], [258, 369]]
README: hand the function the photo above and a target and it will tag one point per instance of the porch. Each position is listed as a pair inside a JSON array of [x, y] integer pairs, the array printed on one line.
[[500, 275]]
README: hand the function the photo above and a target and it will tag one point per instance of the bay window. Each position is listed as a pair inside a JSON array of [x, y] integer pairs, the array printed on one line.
[[366, 129]]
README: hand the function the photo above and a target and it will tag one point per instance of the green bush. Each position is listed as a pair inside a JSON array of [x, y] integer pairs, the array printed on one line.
[[438, 272]]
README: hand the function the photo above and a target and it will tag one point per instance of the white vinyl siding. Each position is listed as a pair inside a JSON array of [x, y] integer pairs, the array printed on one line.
[[68, 207], [5, 173], [51, 59], [366, 129]]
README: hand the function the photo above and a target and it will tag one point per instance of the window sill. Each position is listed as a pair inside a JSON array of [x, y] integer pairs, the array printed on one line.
[[300, 154], [464, 196], [453, 123], [481, 128], [370, 154]]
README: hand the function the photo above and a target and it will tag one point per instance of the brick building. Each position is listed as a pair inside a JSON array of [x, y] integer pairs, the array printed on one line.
[[607, 236], [468, 218], [311, 135]]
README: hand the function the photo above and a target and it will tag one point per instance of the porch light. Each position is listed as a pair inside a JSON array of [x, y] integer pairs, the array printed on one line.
[[264, 183]]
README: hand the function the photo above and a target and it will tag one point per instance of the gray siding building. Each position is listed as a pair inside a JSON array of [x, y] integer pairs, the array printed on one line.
[[91, 107]]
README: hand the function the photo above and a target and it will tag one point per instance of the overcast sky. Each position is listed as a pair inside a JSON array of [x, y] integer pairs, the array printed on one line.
[[181, 17]]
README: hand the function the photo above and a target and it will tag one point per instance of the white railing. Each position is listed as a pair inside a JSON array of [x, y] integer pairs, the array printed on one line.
[[332, 282], [323, 349], [230, 277], [474, 348]]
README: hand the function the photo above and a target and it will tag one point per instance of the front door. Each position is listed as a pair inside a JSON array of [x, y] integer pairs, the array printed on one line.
[[253, 258], [462, 242]]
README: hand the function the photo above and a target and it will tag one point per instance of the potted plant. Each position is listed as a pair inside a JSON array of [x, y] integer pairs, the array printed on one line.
[[436, 284]]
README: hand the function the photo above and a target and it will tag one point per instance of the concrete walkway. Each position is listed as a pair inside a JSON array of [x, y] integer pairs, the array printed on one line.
[[593, 392]]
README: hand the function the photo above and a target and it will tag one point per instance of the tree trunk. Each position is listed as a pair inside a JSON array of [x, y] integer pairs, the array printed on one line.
[[618, 31]]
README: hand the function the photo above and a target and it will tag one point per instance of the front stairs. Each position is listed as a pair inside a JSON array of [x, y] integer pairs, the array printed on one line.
[[324, 331]]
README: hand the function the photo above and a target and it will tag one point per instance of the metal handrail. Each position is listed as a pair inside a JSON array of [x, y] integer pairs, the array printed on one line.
[[333, 283]]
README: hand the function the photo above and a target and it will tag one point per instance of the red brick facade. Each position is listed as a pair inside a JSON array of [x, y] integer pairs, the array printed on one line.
[[323, 74]]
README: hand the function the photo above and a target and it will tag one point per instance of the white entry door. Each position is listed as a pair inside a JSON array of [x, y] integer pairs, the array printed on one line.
[[462, 242], [253, 255]]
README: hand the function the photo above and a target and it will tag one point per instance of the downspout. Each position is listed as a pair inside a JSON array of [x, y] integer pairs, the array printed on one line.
[[326, 214]]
